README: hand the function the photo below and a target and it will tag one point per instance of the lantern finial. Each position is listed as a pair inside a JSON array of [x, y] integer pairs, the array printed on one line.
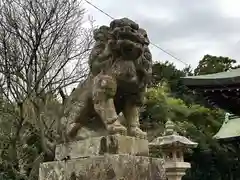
[[169, 128]]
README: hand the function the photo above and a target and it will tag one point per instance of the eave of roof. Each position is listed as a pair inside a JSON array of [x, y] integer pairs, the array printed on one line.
[[230, 77], [229, 129]]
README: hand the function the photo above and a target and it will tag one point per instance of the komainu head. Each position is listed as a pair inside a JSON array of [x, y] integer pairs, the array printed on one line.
[[122, 50]]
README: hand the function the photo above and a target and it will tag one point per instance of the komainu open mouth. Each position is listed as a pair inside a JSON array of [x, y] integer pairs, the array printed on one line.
[[130, 50]]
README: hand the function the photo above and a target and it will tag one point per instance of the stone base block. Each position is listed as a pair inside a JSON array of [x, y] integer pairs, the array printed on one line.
[[105, 167], [112, 144]]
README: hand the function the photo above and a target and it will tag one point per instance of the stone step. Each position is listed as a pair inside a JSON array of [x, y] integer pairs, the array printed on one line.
[[112, 144]]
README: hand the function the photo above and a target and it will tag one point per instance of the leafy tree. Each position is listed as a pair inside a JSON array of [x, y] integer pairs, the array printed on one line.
[[214, 64], [167, 72], [196, 120], [210, 160]]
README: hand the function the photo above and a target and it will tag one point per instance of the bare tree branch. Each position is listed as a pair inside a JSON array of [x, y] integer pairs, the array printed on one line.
[[43, 48]]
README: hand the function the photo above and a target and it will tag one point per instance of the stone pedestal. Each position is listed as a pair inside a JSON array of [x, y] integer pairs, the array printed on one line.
[[176, 170], [105, 167], [104, 158], [115, 144]]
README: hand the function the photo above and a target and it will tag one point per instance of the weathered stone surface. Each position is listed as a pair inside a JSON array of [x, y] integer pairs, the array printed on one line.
[[105, 167], [112, 144]]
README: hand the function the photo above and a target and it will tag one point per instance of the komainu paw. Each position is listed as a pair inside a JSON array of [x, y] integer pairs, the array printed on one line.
[[137, 132], [116, 128]]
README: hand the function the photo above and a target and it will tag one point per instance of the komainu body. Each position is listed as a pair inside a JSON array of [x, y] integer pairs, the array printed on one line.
[[120, 67]]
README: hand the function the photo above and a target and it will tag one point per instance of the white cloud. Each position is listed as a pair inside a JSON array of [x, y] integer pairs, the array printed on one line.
[[230, 8], [189, 29]]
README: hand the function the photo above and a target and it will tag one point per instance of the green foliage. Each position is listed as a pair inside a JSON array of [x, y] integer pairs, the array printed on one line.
[[210, 160], [213, 64], [20, 139], [195, 119], [167, 98], [166, 71]]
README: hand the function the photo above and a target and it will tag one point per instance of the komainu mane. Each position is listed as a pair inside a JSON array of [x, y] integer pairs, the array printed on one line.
[[120, 66]]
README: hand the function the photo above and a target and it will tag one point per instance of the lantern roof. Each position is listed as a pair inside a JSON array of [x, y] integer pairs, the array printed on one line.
[[172, 138]]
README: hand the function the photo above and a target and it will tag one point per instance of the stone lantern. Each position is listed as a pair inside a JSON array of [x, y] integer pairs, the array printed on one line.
[[173, 147]]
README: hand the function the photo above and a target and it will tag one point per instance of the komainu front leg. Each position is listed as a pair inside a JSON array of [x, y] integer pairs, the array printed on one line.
[[104, 89], [131, 114]]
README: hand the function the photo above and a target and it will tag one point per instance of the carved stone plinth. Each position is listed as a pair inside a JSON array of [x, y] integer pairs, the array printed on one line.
[[105, 167], [114, 144]]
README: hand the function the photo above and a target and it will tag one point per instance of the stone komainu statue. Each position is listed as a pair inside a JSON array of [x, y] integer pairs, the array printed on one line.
[[120, 67]]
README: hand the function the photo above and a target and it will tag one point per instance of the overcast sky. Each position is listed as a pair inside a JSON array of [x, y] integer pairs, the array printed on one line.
[[188, 29]]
